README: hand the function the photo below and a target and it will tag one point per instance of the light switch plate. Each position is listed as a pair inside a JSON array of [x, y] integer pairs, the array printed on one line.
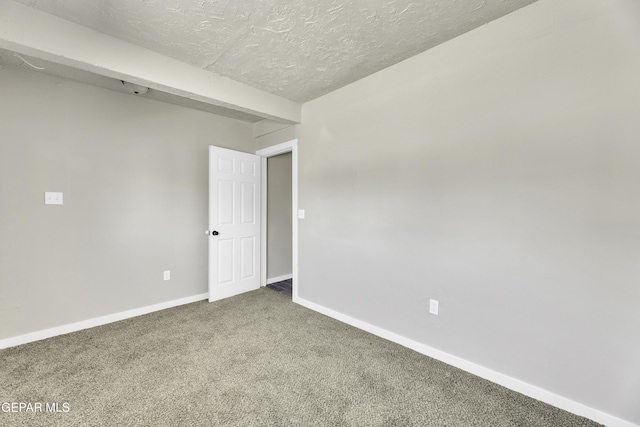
[[52, 198], [300, 213], [166, 275]]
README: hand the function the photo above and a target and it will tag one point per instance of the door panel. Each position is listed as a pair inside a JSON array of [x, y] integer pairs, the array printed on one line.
[[225, 202], [234, 203], [225, 261], [248, 249], [248, 203]]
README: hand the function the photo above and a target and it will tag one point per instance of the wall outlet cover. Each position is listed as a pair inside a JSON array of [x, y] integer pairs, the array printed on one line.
[[52, 198], [166, 275], [433, 306]]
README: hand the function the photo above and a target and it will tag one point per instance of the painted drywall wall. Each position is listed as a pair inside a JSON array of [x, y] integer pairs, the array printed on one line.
[[134, 176], [497, 173], [279, 216]]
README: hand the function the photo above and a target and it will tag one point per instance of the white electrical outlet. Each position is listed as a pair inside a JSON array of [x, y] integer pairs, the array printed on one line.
[[166, 275], [51, 198], [433, 306], [301, 213]]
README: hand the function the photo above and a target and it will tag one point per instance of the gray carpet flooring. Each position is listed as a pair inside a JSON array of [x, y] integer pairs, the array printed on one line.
[[252, 360]]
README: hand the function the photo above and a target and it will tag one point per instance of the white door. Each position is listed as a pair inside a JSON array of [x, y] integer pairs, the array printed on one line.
[[234, 222]]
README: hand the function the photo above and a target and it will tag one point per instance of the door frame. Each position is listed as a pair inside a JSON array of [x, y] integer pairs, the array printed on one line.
[[265, 153]]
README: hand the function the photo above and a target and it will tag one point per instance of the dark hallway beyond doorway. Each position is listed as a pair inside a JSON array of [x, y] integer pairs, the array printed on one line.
[[284, 287]]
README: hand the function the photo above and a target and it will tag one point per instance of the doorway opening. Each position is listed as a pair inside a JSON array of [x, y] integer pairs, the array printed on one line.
[[280, 236], [279, 220]]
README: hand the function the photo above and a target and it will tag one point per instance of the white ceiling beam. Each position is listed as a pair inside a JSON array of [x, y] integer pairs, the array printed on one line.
[[265, 127], [30, 32]]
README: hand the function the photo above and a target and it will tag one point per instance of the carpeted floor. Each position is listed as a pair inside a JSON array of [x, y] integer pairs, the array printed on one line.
[[251, 360]]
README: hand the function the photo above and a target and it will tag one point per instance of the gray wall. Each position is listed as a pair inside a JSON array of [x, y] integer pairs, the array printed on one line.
[[279, 216], [134, 177], [498, 173]]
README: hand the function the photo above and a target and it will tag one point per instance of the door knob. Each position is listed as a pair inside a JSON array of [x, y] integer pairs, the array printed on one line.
[[214, 233]]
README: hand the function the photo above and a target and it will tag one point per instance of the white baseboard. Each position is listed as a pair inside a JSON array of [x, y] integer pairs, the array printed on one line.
[[98, 321], [279, 279], [473, 368]]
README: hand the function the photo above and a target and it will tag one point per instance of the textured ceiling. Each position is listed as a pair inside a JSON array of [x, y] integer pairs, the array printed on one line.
[[298, 49]]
